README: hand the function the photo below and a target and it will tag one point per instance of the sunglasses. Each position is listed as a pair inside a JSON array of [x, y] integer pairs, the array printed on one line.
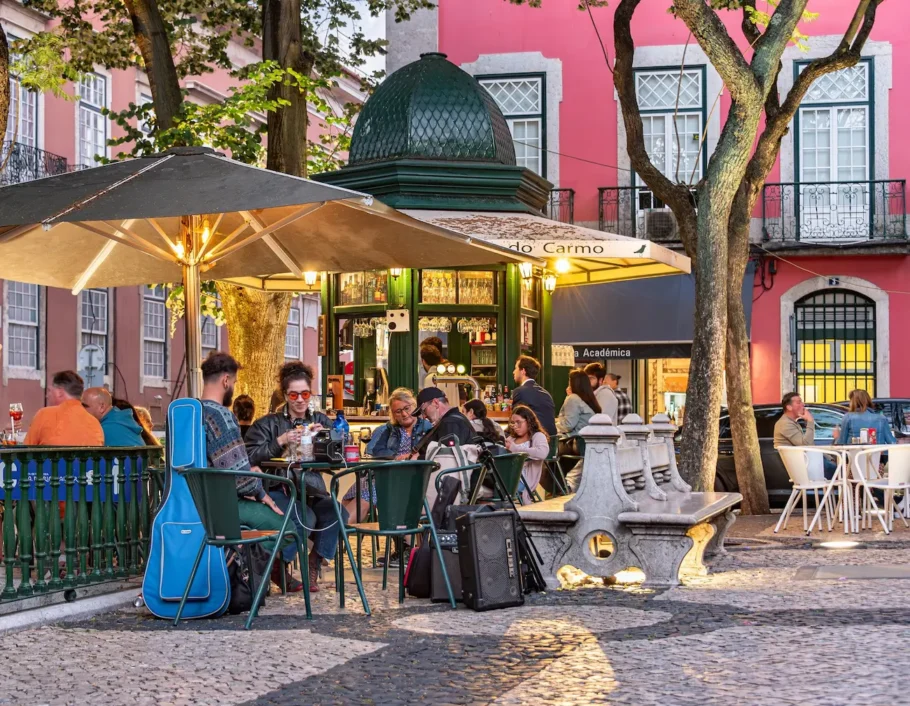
[[305, 395]]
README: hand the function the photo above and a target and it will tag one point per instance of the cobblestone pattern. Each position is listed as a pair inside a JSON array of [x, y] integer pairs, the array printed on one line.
[[749, 633]]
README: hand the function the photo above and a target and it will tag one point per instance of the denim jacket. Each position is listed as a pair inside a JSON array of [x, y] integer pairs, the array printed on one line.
[[387, 439], [854, 421]]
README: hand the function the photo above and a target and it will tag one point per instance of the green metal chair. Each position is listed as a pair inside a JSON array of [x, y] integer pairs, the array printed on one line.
[[214, 492], [551, 463], [401, 490], [510, 468], [572, 459]]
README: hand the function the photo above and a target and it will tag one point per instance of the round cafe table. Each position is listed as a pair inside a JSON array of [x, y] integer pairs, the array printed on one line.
[[848, 452]]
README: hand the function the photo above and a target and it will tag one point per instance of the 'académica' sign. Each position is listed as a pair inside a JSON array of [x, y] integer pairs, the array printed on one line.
[[630, 351]]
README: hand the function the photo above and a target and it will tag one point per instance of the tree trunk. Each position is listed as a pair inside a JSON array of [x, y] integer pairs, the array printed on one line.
[[750, 473], [155, 47], [257, 322], [698, 455]]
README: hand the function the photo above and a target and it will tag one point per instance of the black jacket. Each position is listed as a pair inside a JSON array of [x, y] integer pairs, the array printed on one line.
[[454, 423], [540, 401], [262, 438]]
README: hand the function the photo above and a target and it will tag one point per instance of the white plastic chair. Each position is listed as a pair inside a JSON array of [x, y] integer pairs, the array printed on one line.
[[864, 475], [806, 467]]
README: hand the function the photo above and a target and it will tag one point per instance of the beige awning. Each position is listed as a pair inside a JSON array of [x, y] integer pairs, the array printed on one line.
[[579, 255]]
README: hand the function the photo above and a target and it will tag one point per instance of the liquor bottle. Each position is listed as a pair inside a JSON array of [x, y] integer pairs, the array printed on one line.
[[506, 400]]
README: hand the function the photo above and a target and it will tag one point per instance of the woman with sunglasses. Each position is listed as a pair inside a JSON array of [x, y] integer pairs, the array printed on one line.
[[269, 437]]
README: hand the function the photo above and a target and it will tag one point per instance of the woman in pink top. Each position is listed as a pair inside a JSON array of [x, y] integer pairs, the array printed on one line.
[[527, 436]]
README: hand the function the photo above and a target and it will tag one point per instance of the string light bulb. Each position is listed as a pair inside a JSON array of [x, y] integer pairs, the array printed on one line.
[[179, 250], [563, 265], [206, 231]]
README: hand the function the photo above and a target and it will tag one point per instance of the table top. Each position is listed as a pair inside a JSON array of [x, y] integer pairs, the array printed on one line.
[[283, 464], [855, 447]]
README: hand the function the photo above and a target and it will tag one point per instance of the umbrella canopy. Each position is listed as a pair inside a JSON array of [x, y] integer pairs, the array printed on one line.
[[191, 213], [579, 255]]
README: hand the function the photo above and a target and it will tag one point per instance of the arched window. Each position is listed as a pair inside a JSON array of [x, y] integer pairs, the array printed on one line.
[[835, 345]]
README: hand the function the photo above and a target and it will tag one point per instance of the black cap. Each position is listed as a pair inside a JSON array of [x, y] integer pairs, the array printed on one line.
[[427, 395]]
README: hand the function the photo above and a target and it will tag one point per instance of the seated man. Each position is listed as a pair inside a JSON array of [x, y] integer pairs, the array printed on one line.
[[119, 426], [788, 432], [65, 422], [447, 421], [225, 448]]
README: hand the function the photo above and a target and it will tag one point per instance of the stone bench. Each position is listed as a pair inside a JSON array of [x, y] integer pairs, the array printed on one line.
[[634, 502]]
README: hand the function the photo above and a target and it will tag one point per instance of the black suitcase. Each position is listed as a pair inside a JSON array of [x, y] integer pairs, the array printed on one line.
[[490, 566], [448, 543]]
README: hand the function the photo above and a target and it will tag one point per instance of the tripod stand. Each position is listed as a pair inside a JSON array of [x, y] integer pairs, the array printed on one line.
[[526, 548]]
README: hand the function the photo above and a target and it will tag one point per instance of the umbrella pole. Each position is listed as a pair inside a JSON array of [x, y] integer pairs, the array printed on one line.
[[192, 292]]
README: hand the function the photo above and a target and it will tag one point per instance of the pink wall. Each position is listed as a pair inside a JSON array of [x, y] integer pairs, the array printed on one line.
[[891, 273], [588, 113]]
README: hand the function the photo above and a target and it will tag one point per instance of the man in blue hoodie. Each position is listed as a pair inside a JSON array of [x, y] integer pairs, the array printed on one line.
[[119, 426]]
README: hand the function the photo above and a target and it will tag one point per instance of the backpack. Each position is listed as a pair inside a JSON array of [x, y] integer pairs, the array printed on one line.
[[420, 565], [246, 571]]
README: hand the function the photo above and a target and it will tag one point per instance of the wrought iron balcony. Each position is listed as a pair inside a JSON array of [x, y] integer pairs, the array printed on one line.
[[834, 212], [635, 212], [22, 163], [561, 206]]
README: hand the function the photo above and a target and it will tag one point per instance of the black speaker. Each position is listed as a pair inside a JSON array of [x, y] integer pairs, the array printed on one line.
[[448, 543], [490, 566]]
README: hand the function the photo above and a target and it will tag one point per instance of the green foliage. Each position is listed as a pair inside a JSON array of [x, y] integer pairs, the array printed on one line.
[[41, 66], [209, 304]]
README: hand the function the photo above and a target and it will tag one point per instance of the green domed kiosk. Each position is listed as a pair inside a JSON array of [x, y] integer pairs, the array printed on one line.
[[433, 143], [431, 138]]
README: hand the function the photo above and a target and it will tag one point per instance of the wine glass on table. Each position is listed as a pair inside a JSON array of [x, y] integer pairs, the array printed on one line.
[[15, 415]]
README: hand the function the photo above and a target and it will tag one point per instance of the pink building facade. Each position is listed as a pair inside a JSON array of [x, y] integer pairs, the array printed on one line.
[[44, 329], [830, 297]]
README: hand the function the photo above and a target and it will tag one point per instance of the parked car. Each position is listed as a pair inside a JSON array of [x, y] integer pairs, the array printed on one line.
[[897, 410], [827, 418]]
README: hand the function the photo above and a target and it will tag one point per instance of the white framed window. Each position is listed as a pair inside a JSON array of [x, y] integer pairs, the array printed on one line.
[[521, 100], [154, 333], [92, 125], [293, 335], [834, 156], [95, 320], [22, 121], [23, 322], [674, 146]]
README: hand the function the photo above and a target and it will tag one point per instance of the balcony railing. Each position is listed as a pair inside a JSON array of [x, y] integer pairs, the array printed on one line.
[[561, 206], [23, 163], [635, 212], [834, 212]]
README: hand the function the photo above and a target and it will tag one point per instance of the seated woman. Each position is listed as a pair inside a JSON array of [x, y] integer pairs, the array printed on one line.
[[396, 439], [576, 412], [268, 438], [527, 436], [861, 415], [487, 429]]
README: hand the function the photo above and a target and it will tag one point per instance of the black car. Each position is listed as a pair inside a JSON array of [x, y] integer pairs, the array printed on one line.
[[827, 418]]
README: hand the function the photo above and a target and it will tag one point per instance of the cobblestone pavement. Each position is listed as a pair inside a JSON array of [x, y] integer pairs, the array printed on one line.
[[758, 630]]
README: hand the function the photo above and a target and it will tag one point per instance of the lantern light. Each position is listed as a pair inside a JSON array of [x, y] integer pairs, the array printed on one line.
[[526, 269], [309, 278], [549, 283], [396, 272], [563, 265]]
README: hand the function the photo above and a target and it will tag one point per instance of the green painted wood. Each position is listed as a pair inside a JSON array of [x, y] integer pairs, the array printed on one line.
[[403, 360], [69, 522], [24, 528], [82, 522], [9, 532], [510, 338], [110, 539], [545, 323], [97, 544], [55, 531], [41, 534]]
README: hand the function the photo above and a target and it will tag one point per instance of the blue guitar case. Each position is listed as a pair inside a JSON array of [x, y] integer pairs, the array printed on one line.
[[177, 531]]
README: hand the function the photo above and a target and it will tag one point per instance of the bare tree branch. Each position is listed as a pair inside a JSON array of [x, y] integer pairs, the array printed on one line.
[[676, 196], [775, 38]]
